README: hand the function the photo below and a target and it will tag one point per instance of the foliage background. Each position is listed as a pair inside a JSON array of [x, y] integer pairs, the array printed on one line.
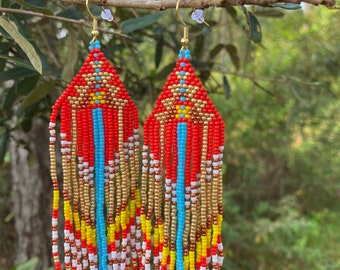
[[279, 99]]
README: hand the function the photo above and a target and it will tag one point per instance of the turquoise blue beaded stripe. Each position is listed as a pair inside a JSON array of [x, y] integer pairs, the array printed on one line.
[[180, 183], [98, 134], [181, 145], [184, 53], [94, 45]]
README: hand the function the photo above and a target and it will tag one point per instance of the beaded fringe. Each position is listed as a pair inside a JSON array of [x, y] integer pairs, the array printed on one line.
[[181, 190], [176, 221], [100, 163]]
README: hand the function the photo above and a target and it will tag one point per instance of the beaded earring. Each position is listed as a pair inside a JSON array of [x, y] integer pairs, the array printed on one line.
[[100, 164], [181, 189]]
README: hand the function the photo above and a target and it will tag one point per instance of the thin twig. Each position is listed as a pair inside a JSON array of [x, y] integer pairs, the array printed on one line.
[[61, 19], [262, 88]]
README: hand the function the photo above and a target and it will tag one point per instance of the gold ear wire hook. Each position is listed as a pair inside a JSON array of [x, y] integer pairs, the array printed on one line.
[[185, 39], [94, 31]]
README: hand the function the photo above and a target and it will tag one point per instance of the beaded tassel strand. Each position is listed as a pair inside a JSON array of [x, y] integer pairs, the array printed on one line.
[[99, 147]]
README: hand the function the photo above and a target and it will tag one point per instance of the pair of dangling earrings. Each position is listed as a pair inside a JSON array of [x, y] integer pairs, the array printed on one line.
[[164, 212]]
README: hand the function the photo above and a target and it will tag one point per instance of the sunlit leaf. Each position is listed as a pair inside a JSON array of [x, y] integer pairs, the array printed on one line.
[[71, 57], [24, 44], [37, 94], [15, 73], [34, 8], [132, 25], [226, 87], [159, 51]]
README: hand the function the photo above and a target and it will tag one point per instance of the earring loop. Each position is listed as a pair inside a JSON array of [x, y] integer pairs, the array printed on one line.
[[94, 31], [185, 39]]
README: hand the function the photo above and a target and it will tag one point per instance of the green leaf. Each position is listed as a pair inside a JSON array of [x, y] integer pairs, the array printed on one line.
[[215, 51], [226, 87], [4, 140], [5, 3], [28, 265], [132, 25], [2, 64], [232, 50], [17, 61], [159, 51], [27, 85], [24, 44], [199, 46], [37, 94], [255, 33], [165, 71], [232, 12], [289, 6], [5, 46], [175, 41], [159, 30], [10, 98], [26, 123], [22, 88], [269, 12], [72, 56], [204, 75], [15, 73], [71, 13], [35, 8], [254, 28]]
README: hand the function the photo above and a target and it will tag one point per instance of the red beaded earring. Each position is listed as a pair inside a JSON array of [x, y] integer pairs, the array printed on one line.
[[181, 190], [99, 161]]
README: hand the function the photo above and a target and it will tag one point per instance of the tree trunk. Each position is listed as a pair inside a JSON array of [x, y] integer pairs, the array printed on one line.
[[31, 193]]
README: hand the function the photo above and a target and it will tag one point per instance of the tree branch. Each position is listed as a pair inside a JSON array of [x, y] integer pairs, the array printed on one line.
[[166, 4], [61, 19]]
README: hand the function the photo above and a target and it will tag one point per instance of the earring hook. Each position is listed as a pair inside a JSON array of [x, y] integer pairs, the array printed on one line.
[[179, 18], [94, 31], [185, 39]]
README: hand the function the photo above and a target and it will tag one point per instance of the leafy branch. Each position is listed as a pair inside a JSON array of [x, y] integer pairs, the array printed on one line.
[[166, 4], [61, 19]]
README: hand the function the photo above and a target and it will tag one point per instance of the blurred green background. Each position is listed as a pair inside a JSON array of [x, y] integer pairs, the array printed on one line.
[[279, 99]]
